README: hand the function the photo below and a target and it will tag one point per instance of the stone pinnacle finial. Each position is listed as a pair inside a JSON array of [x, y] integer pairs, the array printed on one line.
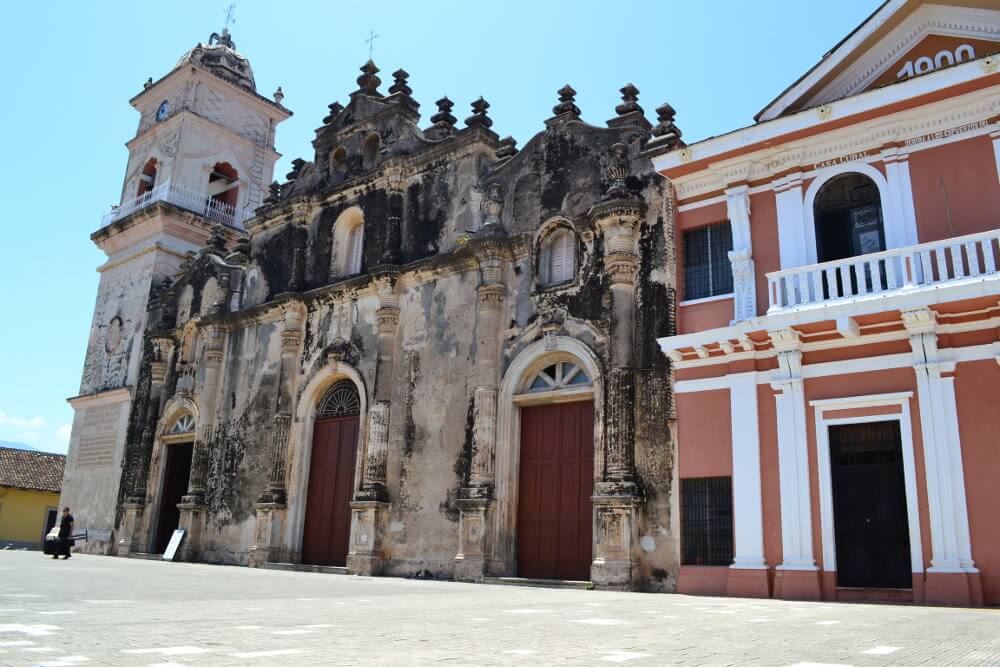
[[368, 82], [567, 99], [443, 116], [479, 116], [630, 100], [335, 109], [666, 132], [278, 95], [507, 148], [297, 165], [399, 85]]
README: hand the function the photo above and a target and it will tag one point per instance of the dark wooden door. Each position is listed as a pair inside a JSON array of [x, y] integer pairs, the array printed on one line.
[[331, 482], [176, 472], [869, 506], [555, 484]]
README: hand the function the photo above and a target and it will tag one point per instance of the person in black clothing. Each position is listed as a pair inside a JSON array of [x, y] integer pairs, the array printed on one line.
[[65, 534]]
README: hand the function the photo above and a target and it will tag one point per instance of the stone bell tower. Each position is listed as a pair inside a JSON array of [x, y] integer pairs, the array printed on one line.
[[203, 150]]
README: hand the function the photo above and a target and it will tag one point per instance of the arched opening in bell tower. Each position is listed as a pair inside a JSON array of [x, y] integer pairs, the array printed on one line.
[[224, 186], [147, 179]]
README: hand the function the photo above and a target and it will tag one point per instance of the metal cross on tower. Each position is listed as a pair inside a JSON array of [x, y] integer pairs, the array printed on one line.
[[230, 10], [371, 43]]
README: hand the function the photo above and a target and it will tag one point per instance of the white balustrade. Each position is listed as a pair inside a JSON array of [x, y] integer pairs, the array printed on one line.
[[959, 258], [184, 196]]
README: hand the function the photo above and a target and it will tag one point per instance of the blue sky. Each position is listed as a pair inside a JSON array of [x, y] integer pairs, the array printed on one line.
[[68, 70]]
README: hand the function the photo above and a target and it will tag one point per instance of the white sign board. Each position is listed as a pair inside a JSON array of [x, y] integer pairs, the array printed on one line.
[[174, 544]]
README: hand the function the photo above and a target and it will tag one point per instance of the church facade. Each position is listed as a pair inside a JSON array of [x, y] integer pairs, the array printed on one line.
[[426, 353]]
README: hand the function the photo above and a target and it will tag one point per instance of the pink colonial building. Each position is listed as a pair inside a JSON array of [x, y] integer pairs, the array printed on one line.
[[836, 357]]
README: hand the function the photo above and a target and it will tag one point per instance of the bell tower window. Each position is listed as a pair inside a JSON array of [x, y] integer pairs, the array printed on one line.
[[224, 185], [147, 179]]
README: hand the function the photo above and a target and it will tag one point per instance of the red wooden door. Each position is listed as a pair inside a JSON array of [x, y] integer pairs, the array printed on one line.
[[555, 484], [331, 482]]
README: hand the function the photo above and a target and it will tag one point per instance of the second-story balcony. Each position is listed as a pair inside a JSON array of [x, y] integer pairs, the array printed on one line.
[[954, 261], [185, 197]]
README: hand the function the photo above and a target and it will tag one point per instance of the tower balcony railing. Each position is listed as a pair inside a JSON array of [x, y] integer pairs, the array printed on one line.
[[936, 264], [186, 197]]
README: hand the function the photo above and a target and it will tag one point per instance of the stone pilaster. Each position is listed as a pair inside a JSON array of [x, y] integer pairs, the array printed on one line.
[[474, 546], [797, 576], [192, 506], [392, 254], [271, 505], [615, 498], [475, 500], [131, 534], [365, 555]]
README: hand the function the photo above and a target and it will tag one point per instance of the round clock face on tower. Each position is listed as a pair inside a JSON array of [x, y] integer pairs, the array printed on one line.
[[113, 336], [162, 112]]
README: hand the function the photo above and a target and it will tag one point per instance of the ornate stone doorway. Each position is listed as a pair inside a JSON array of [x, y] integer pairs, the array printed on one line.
[[555, 484], [331, 477], [176, 473], [555, 472]]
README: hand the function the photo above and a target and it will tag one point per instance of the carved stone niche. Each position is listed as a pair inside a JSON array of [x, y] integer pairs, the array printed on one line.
[[475, 518], [366, 555], [616, 534]]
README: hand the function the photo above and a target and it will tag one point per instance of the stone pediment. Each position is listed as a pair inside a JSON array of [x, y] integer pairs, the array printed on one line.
[[901, 40]]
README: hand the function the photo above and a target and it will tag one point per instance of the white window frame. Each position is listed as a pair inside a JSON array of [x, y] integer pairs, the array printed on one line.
[[558, 246], [825, 476]]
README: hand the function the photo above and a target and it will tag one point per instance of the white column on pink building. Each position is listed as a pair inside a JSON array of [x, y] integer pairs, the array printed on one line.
[[788, 198], [951, 545], [900, 214], [741, 256], [793, 454], [748, 524]]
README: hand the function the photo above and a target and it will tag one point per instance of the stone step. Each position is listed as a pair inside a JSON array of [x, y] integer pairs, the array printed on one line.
[[144, 556], [301, 567], [539, 583]]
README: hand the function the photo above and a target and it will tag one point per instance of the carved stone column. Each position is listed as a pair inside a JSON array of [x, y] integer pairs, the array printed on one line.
[[370, 508], [132, 535], [392, 254], [741, 256], [192, 506], [271, 505], [615, 498], [475, 500]]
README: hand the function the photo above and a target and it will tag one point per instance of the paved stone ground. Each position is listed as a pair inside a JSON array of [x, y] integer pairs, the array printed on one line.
[[94, 610]]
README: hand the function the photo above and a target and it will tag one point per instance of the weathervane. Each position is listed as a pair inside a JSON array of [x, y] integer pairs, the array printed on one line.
[[371, 43], [230, 10]]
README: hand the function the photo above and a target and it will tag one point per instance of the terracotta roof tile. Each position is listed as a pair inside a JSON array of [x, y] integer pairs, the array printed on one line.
[[39, 471]]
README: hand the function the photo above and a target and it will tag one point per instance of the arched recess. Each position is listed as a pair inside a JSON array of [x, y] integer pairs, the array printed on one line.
[[176, 409], [348, 243], [556, 254], [147, 177], [899, 230], [299, 451], [369, 151], [224, 185], [524, 368]]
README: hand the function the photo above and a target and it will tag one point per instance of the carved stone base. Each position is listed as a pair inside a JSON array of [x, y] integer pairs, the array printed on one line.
[[474, 523], [365, 555], [616, 534], [268, 534], [130, 536], [192, 520]]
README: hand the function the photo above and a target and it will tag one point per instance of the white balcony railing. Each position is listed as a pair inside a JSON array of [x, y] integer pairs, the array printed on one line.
[[881, 273], [183, 196]]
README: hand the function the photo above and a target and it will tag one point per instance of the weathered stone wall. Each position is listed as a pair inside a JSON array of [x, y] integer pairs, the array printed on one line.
[[448, 301]]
